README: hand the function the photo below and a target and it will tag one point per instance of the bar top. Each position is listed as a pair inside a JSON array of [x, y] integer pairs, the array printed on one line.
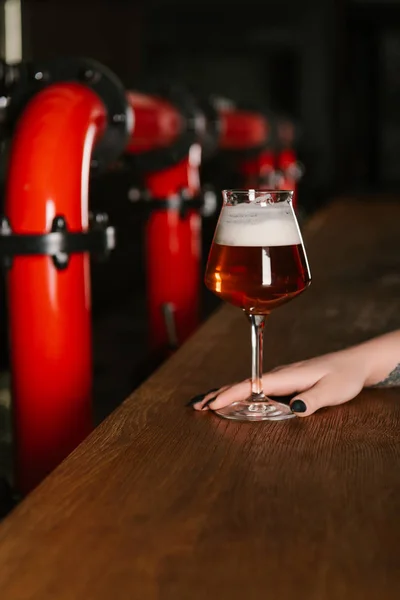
[[164, 502]]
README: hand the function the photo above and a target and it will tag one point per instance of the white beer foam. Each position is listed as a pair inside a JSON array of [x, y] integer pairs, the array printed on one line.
[[257, 226]]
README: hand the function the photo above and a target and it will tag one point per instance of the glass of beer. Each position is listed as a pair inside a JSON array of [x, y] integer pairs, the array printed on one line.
[[257, 262]]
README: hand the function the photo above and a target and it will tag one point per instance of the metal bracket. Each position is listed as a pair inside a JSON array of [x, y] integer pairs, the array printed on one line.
[[168, 310], [205, 202], [59, 243]]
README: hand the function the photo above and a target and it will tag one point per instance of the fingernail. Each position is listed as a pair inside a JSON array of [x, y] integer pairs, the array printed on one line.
[[197, 399], [209, 402], [298, 406]]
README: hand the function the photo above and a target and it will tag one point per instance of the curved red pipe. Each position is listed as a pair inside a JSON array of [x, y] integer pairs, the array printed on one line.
[[242, 130], [49, 310], [157, 124]]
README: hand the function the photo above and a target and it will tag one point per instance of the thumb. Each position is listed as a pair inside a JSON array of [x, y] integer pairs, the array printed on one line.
[[328, 391]]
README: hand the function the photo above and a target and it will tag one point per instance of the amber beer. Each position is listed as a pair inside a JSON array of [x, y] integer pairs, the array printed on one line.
[[257, 261]]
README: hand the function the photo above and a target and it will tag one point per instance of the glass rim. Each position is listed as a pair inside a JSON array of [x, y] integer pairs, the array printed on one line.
[[259, 197], [257, 191]]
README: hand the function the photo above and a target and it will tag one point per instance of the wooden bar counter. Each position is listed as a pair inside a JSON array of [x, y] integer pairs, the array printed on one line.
[[165, 503]]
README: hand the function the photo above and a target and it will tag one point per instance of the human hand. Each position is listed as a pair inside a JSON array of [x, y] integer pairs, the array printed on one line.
[[326, 380]]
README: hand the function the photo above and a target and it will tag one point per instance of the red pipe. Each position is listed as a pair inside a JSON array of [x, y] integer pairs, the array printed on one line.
[[245, 130], [258, 171], [157, 123], [173, 254], [241, 130], [173, 241], [49, 310]]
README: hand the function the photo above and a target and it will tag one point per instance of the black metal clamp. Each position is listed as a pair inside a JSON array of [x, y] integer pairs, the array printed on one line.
[[59, 243], [205, 201]]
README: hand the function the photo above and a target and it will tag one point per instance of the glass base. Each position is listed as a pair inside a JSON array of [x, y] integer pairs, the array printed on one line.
[[248, 410]]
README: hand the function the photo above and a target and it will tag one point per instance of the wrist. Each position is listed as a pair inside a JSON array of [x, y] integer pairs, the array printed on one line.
[[379, 357]]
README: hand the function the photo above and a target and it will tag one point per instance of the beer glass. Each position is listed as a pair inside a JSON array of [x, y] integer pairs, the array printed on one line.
[[257, 262]]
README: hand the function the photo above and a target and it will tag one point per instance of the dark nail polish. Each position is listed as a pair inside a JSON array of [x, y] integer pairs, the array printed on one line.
[[195, 400], [200, 397], [210, 400], [298, 406]]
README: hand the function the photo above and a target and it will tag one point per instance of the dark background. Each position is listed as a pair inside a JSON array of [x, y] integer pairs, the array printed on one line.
[[332, 66]]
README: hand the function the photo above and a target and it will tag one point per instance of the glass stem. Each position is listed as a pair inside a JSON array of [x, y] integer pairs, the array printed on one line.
[[257, 338]]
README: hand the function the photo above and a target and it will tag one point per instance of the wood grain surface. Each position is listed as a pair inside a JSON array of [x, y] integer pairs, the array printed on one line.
[[165, 503]]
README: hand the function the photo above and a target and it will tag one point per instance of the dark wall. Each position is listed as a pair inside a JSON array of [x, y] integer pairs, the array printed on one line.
[[296, 57], [330, 64], [376, 90], [107, 31], [283, 55]]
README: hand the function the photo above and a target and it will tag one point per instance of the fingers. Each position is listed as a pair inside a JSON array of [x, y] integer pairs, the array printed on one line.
[[290, 379], [200, 397], [329, 391], [231, 394], [200, 402], [312, 384], [280, 382]]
